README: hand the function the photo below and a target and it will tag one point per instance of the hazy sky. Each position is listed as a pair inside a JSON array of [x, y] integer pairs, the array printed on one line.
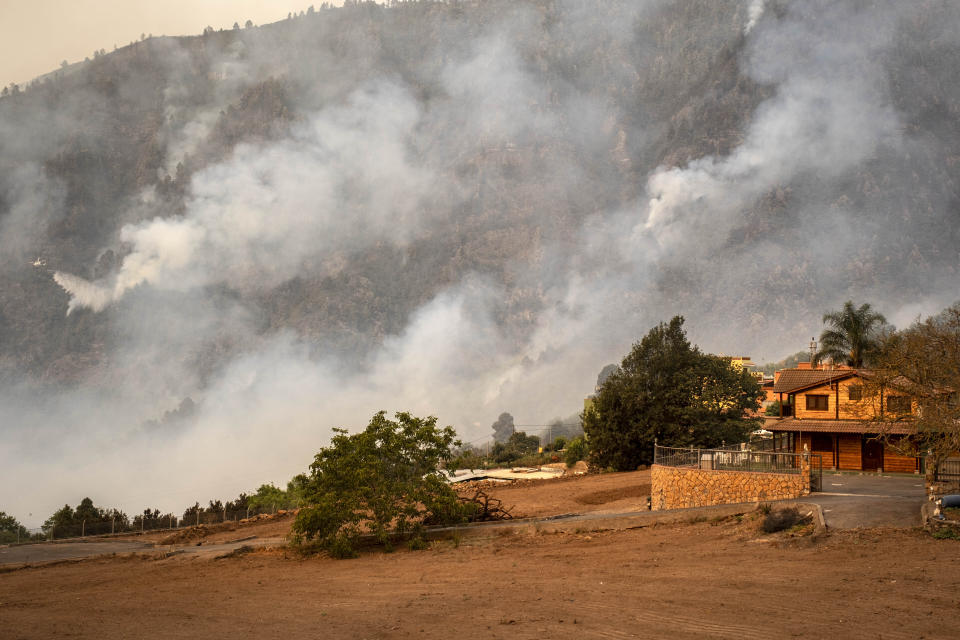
[[36, 35]]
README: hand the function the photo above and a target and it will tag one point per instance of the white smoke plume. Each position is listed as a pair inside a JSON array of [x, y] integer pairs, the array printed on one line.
[[344, 178], [754, 13], [377, 169]]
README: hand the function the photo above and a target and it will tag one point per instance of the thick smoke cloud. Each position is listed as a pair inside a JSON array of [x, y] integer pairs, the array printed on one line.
[[384, 162], [342, 179]]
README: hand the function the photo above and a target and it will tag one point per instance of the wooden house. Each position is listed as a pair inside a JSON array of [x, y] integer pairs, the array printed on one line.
[[828, 411]]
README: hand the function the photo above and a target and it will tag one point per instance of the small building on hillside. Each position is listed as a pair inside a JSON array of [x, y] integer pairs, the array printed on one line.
[[827, 410]]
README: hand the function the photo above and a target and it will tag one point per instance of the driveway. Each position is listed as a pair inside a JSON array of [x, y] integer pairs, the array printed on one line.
[[870, 500]]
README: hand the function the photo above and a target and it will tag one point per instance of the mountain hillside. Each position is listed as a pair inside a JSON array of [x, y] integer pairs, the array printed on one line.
[[458, 208]]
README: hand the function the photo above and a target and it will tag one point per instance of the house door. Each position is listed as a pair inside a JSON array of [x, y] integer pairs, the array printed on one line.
[[871, 455]]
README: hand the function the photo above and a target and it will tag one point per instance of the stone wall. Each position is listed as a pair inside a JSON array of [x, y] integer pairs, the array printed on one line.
[[682, 488]]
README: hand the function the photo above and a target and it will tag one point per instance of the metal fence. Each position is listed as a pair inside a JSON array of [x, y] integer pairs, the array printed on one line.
[[137, 524], [744, 459], [727, 459]]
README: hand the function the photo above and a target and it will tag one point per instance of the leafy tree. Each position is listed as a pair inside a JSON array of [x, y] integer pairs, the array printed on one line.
[[518, 445], [384, 480], [61, 520], [248, 24], [503, 428], [297, 490], [268, 497], [153, 519], [576, 451], [467, 457], [853, 335], [773, 409], [923, 362], [11, 530], [667, 390], [86, 518]]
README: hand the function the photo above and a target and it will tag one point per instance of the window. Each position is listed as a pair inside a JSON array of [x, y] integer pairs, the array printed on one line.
[[898, 404], [817, 403], [855, 392]]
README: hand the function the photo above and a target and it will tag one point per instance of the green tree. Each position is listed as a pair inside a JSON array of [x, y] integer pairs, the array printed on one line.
[[384, 480], [575, 452], [61, 522], [518, 445], [853, 335], [268, 497], [11, 530], [667, 390]]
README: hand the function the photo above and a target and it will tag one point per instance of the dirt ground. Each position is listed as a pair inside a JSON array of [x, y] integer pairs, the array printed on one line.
[[719, 579], [609, 492]]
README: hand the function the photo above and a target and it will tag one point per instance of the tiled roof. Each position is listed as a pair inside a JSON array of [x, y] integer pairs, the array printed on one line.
[[792, 380], [839, 426]]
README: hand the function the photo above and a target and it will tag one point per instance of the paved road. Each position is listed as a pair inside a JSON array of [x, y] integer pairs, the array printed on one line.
[[51, 551], [849, 501]]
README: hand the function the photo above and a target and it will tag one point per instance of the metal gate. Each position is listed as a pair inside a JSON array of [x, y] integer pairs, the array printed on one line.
[[948, 471], [816, 472]]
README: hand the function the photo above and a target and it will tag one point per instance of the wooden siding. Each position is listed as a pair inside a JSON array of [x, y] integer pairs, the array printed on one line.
[[850, 451], [898, 463], [825, 450], [864, 409]]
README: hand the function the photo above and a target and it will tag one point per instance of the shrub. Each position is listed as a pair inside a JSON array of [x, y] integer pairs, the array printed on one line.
[[384, 480], [576, 451], [946, 533]]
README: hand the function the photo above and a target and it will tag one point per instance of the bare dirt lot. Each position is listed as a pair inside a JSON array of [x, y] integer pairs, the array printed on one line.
[[609, 492], [719, 579]]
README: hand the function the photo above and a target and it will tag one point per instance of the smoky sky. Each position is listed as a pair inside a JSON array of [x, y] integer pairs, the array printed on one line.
[[582, 211]]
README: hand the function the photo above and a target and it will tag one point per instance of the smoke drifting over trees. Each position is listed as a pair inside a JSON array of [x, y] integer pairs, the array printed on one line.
[[446, 209]]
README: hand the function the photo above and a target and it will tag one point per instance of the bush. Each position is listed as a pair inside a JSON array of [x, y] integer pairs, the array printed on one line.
[[384, 480], [576, 451], [946, 533], [782, 519]]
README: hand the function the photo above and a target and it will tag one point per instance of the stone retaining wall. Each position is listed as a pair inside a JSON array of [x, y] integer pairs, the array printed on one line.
[[682, 488]]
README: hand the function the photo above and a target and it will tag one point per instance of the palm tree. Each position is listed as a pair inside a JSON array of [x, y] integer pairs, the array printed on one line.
[[853, 335]]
